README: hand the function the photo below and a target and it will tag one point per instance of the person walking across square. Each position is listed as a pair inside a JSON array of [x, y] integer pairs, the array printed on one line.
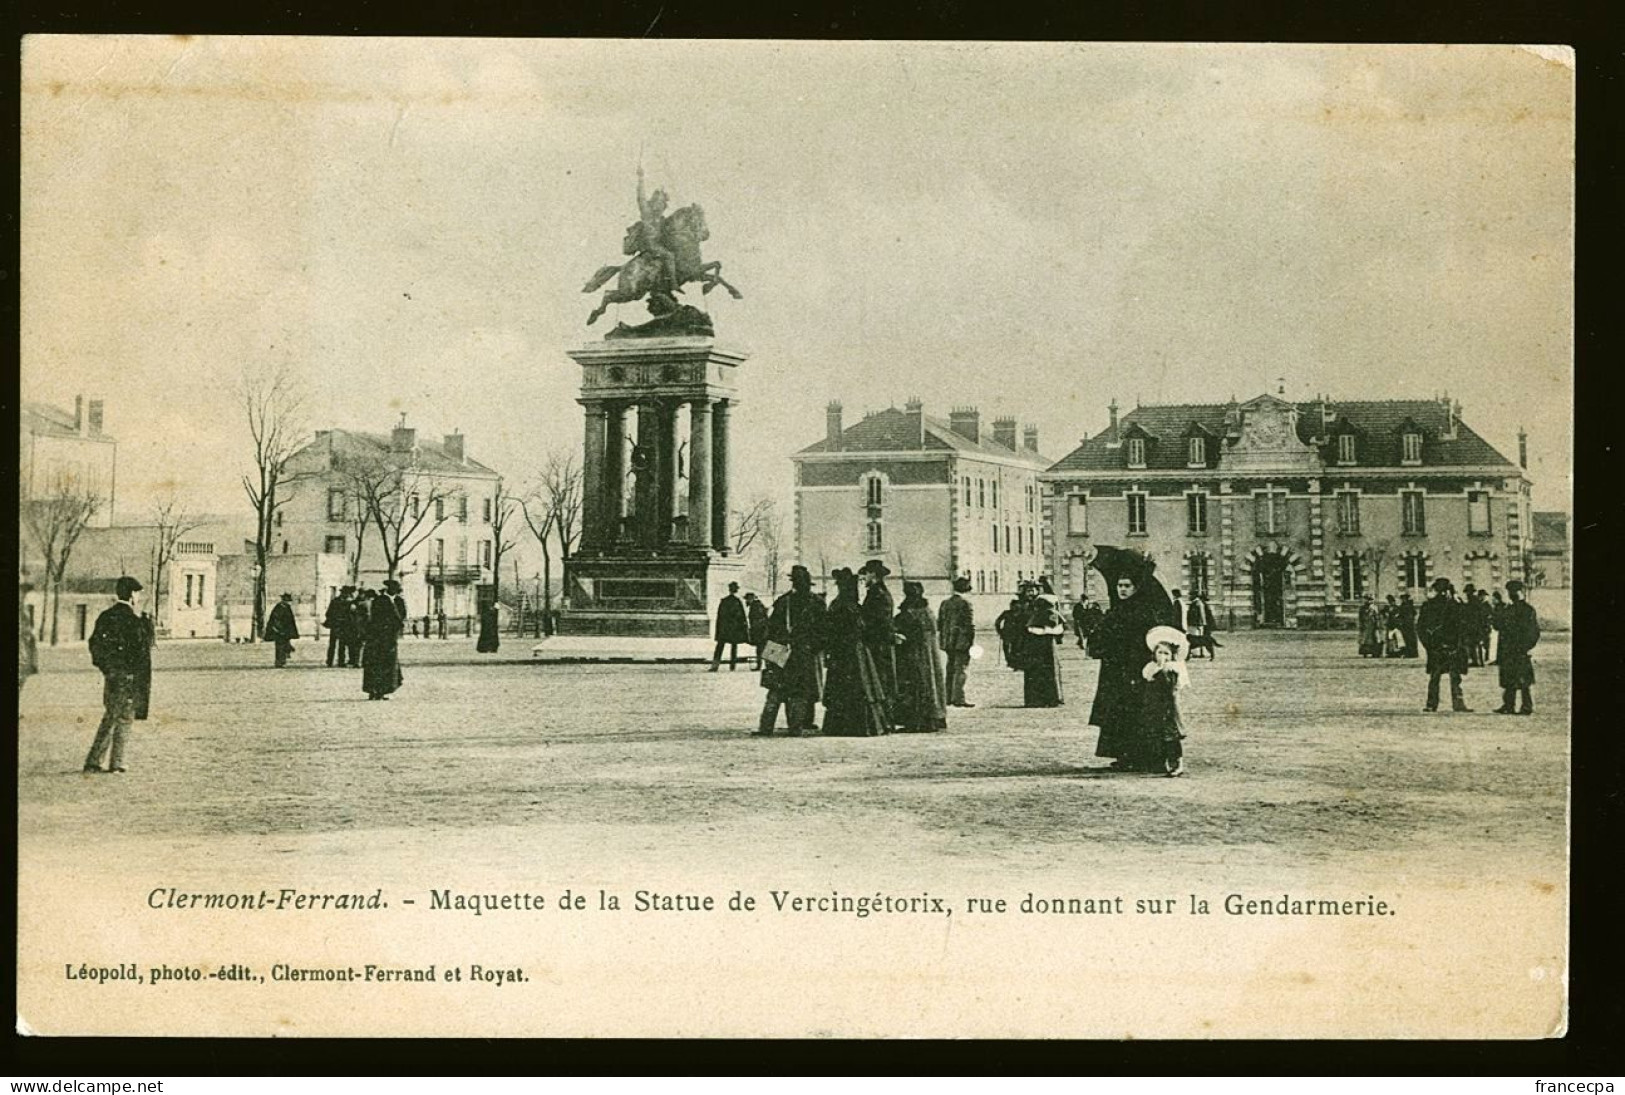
[[733, 628], [121, 647], [956, 630], [1519, 632]]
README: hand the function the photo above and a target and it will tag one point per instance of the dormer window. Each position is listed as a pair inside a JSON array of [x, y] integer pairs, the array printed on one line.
[[1136, 452], [1345, 448], [1412, 452], [1198, 452]]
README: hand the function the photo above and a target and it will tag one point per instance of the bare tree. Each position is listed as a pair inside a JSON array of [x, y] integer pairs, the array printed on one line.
[[274, 403], [504, 506], [561, 482], [771, 538], [552, 511], [56, 518], [1375, 556], [406, 503], [358, 515], [171, 520], [745, 526]]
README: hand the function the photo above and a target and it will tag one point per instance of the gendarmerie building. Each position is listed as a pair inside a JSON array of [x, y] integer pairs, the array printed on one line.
[[935, 498], [1286, 514]]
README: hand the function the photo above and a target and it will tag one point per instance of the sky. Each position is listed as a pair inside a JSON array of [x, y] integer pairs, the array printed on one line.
[[1034, 229]]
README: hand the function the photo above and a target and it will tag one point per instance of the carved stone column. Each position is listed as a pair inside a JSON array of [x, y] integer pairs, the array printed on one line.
[[593, 530], [648, 474], [666, 491], [719, 477], [614, 488], [699, 472]]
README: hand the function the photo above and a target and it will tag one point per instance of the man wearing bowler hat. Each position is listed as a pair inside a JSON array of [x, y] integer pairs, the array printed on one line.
[[120, 646], [733, 628], [956, 630], [792, 668], [1442, 626]]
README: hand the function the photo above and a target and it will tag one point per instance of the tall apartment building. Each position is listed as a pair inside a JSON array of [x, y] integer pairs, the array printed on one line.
[[439, 504], [934, 498]]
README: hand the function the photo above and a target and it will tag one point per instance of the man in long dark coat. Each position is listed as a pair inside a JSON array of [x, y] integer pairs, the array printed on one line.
[[1445, 630], [337, 621], [281, 629], [733, 628], [756, 624], [956, 631], [1086, 617], [355, 632], [121, 647], [880, 635], [1520, 631], [797, 621]]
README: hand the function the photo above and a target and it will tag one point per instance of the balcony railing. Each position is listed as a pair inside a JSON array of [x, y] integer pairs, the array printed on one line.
[[451, 574]]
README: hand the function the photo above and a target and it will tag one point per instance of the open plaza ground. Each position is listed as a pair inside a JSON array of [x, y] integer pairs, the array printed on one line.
[[1311, 771]]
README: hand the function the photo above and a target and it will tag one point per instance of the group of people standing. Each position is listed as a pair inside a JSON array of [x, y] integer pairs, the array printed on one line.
[[1388, 630], [876, 666], [1457, 634], [364, 627], [1029, 632]]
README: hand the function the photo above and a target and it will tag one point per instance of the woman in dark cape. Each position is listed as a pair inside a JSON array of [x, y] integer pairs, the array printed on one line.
[[1040, 666], [1138, 603], [380, 661], [921, 685], [854, 698], [490, 641]]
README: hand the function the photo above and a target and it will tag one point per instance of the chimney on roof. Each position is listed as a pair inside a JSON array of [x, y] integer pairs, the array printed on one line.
[[1523, 448], [454, 445], [832, 425], [914, 410], [1112, 410], [1029, 438], [966, 422], [79, 413], [403, 438], [96, 418], [1004, 432]]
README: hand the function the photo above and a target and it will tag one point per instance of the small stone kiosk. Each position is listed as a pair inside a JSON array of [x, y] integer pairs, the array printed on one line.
[[654, 556]]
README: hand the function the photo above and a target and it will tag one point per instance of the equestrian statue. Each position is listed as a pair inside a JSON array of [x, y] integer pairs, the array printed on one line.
[[665, 256]]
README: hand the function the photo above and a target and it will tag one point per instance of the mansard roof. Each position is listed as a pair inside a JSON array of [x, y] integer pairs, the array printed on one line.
[[892, 430], [1380, 423], [430, 454]]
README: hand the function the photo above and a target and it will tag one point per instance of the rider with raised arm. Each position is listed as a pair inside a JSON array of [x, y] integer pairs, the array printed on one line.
[[651, 234]]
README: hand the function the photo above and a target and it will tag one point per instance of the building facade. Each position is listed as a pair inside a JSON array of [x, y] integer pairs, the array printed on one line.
[[936, 499], [59, 449], [1286, 514], [438, 504]]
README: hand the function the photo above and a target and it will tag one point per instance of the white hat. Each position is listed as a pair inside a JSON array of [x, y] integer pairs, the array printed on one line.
[[1170, 635]]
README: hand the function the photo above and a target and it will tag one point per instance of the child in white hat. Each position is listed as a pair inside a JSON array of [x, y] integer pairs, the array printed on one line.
[[1165, 676]]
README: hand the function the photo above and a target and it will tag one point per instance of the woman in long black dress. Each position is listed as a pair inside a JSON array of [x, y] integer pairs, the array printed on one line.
[[854, 698], [380, 662], [1119, 705], [921, 685], [1040, 667]]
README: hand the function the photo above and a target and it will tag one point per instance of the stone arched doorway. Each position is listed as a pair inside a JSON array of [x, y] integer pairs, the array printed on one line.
[[1274, 574]]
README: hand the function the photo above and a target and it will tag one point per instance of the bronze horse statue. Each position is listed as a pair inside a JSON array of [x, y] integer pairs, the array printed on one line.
[[644, 273]]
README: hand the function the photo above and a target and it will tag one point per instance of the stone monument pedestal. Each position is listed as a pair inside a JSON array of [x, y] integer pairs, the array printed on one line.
[[654, 557]]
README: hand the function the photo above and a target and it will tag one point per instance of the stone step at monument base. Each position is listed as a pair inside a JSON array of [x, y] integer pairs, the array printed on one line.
[[615, 649], [656, 595]]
